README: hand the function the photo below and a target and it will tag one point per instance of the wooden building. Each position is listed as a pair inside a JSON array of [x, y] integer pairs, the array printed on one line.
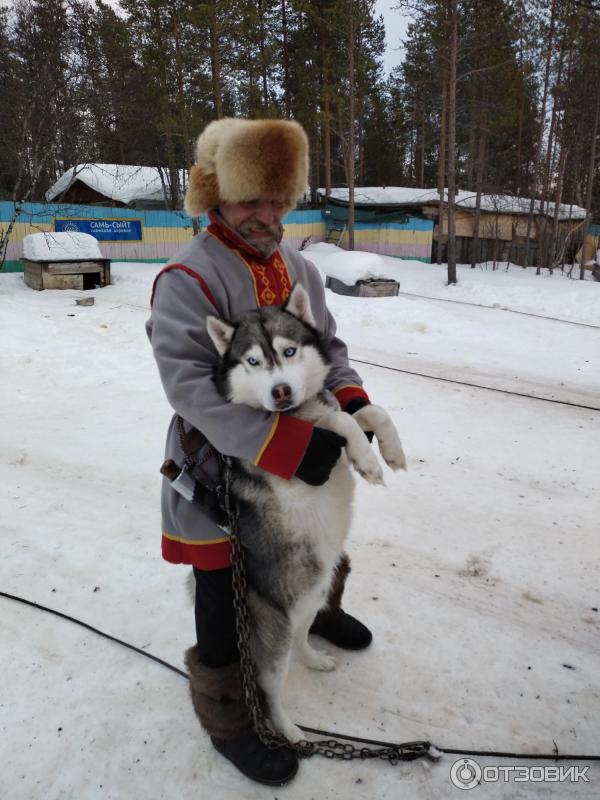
[[502, 234], [388, 229], [115, 185]]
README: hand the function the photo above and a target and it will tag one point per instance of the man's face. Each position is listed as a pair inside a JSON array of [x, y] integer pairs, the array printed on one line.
[[258, 221]]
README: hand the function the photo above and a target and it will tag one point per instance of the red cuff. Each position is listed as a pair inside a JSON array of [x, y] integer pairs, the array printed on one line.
[[348, 393], [285, 446]]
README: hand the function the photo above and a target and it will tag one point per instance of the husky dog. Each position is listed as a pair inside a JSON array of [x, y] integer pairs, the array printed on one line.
[[293, 533]]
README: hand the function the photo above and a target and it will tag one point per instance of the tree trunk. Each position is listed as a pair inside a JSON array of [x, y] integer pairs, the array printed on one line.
[[472, 148], [519, 166], [287, 105], [352, 123], [263, 58], [326, 107], [540, 141], [477, 216], [590, 182], [442, 170], [361, 145], [215, 58], [562, 163], [544, 244], [520, 173], [453, 20], [419, 125]]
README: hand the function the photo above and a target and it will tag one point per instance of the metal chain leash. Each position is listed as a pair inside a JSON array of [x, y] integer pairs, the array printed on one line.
[[330, 748]]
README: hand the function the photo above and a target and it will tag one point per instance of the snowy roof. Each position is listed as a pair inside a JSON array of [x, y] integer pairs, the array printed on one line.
[[125, 183], [406, 196], [61, 246]]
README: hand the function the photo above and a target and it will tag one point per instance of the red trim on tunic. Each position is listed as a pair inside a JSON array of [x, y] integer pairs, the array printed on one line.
[[190, 272], [286, 447], [348, 393], [203, 555]]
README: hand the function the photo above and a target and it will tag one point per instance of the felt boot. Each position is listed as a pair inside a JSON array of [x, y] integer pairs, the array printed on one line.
[[218, 699], [332, 622]]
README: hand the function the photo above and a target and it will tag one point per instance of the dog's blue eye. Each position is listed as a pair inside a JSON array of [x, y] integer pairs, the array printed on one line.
[[289, 352], [252, 361]]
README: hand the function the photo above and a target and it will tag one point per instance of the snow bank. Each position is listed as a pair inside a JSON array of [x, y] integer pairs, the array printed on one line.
[[503, 285], [349, 267], [65, 246]]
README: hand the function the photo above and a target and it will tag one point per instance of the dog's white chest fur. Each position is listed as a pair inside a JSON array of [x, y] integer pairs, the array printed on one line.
[[320, 516]]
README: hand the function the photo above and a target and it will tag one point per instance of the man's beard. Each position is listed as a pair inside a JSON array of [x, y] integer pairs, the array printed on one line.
[[266, 244]]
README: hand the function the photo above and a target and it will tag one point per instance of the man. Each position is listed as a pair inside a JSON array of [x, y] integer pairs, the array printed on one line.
[[248, 175]]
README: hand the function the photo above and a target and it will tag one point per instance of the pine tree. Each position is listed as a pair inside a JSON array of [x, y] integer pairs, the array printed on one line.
[[52, 124]]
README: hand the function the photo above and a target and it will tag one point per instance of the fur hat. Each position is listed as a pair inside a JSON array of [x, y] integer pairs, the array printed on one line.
[[238, 160]]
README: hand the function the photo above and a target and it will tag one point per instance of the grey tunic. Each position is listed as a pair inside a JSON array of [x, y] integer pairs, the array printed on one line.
[[218, 273]]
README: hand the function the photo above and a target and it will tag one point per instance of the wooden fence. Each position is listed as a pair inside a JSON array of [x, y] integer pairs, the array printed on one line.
[[161, 233]]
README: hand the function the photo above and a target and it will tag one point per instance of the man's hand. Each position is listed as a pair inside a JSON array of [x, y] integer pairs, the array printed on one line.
[[322, 453]]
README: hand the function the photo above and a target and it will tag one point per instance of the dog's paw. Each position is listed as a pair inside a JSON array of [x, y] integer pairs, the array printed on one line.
[[392, 453], [369, 468], [376, 419], [325, 662], [318, 659], [291, 732]]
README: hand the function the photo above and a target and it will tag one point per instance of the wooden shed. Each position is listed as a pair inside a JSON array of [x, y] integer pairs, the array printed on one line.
[[116, 185], [66, 260], [87, 274], [380, 224]]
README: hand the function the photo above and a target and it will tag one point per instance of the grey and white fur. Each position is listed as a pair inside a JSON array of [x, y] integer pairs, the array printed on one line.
[[293, 533]]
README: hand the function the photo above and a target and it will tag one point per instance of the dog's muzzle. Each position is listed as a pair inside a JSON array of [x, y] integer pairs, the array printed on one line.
[[282, 396]]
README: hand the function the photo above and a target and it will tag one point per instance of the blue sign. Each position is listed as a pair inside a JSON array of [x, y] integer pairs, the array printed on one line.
[[104, 230]]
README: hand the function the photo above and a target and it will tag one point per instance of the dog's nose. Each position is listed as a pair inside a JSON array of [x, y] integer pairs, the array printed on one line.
[[281, 392]]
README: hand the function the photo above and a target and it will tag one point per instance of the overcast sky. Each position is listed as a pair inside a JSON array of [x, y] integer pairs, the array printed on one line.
[[396, 23]]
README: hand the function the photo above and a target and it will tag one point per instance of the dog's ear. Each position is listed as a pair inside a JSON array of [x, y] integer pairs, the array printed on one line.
[[220, 332], [298, 304]]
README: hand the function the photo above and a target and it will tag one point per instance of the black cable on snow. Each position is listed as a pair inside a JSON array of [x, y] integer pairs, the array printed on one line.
[[502, 308], [330, 734], [476, 385]]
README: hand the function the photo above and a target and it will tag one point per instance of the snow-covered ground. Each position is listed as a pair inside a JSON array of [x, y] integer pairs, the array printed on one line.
[[469, 342], [477, 569]]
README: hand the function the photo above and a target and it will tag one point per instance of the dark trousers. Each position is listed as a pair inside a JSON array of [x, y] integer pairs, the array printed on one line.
[[215, 618]]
